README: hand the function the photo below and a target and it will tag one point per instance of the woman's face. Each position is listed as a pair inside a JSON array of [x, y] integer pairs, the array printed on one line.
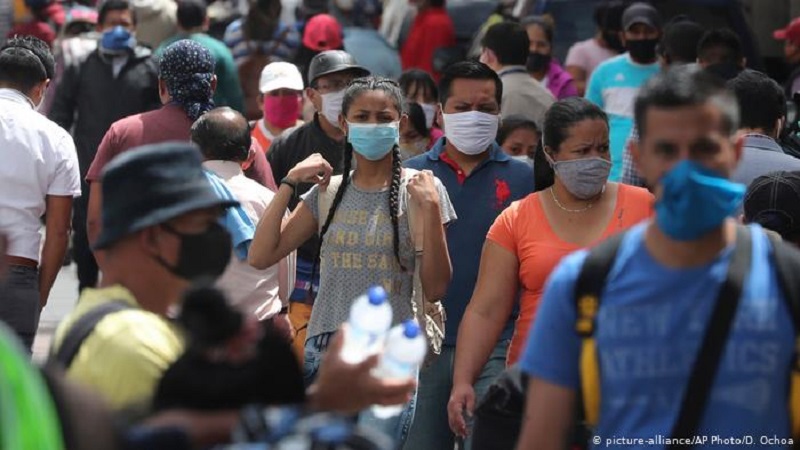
[[539, 43], [585, 139], [521, 142], [417, 93], [372, 107]]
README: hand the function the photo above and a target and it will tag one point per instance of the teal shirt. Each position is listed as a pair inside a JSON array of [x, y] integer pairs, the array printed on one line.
[[229, 91]]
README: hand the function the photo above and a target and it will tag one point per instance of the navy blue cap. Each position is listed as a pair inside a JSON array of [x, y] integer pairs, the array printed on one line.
[[153, 184]]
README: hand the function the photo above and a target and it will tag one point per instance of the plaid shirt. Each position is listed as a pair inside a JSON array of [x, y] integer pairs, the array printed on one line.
[[630, 175]]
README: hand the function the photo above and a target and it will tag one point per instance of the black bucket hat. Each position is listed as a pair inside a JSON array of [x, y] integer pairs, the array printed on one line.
[[150, 185]]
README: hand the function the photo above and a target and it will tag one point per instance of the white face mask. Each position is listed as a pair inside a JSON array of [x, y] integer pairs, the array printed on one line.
[[430, 111], [524, 158], [471, 132], [332, 106]]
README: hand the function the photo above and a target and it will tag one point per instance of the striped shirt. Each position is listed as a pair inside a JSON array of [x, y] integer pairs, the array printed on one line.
[[282, 47]]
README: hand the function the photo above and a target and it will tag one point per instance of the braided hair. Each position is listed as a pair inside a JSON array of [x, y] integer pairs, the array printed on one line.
[[354, 90]]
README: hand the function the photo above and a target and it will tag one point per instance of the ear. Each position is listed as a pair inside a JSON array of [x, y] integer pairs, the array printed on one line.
[[403, 121], [439, 115], [622, 38], [213, 84], [148, 239], [343, 124], [743, 63], [548, 154], [738, 148], [313, 97], [163, 92], [633, 147], [261, 103]]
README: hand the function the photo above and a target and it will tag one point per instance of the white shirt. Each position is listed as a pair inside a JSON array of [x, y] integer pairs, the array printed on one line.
[[39, 159], [251, 290]]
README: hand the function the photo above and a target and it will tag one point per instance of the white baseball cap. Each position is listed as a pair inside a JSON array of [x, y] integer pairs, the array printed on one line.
[[280, 75]]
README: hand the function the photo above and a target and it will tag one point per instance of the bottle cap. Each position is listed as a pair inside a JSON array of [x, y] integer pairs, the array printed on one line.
[[376, 295], [411, 329]]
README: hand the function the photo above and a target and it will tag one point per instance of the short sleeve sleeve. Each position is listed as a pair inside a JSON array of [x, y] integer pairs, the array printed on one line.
[[575, 57], [105, 152], [446, 208], [552, 352], [594, 90], [502, 230], [311, 199], [66, 179]]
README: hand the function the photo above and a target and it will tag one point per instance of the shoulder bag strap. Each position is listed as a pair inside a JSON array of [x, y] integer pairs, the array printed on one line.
[[81, 330], [698, 388]]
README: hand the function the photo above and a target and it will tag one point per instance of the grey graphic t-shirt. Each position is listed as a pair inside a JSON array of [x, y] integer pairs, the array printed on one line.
[[357, 253]]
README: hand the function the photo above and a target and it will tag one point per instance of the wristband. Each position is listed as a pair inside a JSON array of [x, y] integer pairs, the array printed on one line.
[[289, 183]]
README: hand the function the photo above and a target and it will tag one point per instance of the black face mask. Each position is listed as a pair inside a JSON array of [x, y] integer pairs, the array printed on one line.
[[538, 62], [643, 51], [203, 255], [613, 41]]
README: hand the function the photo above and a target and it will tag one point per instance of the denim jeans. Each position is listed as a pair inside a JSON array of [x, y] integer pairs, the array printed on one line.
[[396, 427], [19, 302], [431, 428]]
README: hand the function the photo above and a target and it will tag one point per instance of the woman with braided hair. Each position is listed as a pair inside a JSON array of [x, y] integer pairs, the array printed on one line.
[[365, 237]]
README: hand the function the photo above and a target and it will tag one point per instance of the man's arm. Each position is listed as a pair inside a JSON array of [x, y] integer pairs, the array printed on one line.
[[62, 111], [94, 211], [549, 411], [59, 215]]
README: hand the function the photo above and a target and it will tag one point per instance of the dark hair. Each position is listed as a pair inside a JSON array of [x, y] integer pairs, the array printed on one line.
[[356, 88], [436, 3], [513, 123], [417, 79], [469, 70], [113, 5], [509, 42], [680, 41], [761, 100], [562, 115], [191, 13], [416, 118], [542, 21], [720, 46], [26, 61], [261, 20], [685, 86], [222, 134], [608, 15]]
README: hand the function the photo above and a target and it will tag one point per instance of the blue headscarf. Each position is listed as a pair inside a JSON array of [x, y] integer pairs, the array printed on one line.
[[188, 68]]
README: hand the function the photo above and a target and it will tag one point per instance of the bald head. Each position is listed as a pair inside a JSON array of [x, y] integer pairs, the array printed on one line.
[[222, 134]]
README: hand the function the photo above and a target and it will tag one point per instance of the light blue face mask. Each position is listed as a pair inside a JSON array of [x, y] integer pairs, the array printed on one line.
[[695, 200], [373, 141]]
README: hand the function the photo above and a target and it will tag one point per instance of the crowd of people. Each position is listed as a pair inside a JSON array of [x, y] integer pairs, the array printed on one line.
[[624, 222]]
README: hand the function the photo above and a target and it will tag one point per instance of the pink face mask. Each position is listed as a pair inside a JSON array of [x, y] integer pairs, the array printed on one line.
[[281, 111]]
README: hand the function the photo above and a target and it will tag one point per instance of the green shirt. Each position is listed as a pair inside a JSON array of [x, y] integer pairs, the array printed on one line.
[[229, 91]]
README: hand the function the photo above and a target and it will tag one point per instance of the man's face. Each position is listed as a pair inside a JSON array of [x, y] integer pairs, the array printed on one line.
[[687, 132], [329, 84], [123, 18], [167, 245], [639, 32], [471, 95]]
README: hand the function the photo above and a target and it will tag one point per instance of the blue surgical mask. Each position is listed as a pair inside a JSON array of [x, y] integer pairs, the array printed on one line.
[[373, 141], [117, 40], [695, 200]]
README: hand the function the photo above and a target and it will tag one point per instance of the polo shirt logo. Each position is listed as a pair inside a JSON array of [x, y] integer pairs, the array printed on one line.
[[501, 193]]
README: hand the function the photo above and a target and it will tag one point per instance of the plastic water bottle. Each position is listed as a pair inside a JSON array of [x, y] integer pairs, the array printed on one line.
[[370, 319], [403, 355]]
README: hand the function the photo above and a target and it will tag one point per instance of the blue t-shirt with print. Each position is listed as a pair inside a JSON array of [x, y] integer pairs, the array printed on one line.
[[649, 328], [613, 86]]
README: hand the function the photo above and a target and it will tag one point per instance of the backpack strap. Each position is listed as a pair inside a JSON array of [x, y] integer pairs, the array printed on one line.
[[325, 200], [787, 264], [588, 290], [81, 330], [706, 363]]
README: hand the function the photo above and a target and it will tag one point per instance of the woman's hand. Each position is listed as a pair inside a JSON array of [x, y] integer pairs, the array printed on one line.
[[422, 189], [314, 169]]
